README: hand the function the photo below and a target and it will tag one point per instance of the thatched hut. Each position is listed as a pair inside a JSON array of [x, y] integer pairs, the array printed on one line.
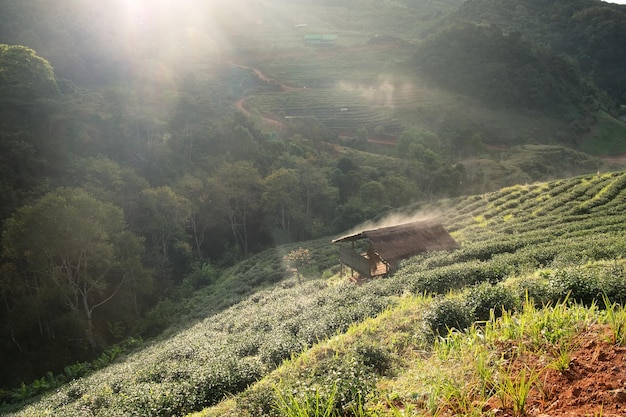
[[387, 246]]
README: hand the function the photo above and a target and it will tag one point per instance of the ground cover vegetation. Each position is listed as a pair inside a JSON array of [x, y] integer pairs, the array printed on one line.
[[179, 155], [540, 274]]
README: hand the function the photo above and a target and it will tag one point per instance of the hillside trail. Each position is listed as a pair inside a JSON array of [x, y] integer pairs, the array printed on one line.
[[268, 120], [273, 122], [617, 159]]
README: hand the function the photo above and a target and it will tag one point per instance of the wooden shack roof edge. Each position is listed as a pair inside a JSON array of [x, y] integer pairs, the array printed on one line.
[[402, 241], [387, 229]]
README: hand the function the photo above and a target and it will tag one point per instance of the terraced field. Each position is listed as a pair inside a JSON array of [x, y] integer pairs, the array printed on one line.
[[345, 115], [543, 233], [342, 87]]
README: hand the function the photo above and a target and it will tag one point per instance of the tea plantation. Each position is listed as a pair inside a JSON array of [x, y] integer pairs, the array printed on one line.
[[289, 345]]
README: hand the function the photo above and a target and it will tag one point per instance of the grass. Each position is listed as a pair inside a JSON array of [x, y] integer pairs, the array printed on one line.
[[467, 370], [562, 357], [615, 317], [514, 387], [314, 405]]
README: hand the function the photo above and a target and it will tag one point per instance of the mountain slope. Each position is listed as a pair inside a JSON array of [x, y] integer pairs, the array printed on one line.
[[503, 70], [561, 224], [590, 31]]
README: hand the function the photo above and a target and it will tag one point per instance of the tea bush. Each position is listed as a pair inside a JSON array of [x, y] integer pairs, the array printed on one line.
[[455, 276], [605, 194], [485, 298], [614, 282], [341, 377], [444, 314], [588, 284], [535, 288], [260, 400], [337, 380], [374, 357], [277, 347]]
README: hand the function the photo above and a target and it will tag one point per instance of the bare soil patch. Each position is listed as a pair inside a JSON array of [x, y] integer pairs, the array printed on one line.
[[593, 385]]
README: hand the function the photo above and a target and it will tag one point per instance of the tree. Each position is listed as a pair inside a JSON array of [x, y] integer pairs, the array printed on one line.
[[25, 76], [202, 218], [318, 194], [406, 141], [164, 216], [296, 260], [70, 243], [242, 143], [192, 134], [361, 137], [111, 182], [280, 196], [238, 191], [29, 150]]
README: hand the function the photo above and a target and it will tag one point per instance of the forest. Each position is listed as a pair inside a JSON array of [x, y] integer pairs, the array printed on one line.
[[147, 149]]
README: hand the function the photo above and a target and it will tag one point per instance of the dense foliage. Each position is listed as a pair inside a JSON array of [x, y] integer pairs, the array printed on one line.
[[137, 166], [587, 30], [523, 241], [504, 70]]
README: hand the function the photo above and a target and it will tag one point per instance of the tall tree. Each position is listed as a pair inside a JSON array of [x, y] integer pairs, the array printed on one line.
[[280, 198], [77, 245], [202, 216], [24, 76], [107, 180], [318, 194], [238, 191], [164, 216], [27, 151]]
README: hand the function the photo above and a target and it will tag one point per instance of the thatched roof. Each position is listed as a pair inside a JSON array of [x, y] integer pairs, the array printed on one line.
[[402, 241]]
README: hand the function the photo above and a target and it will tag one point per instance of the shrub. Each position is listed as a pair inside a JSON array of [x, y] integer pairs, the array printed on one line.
[[201, 276], [587, 284], [278, 346], [446, 313], [535, 288], [614, 282], [575, 283], [259, 400], [484, 298], [344, 377], [459, 275], [374, 357]]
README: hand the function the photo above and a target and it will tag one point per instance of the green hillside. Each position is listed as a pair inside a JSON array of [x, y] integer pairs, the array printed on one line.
[[586, 30], [160, 158], [501, 71], [553, 240]]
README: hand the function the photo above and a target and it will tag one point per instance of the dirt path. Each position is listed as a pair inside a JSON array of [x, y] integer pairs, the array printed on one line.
[[272, 122], [269, 121], [386, 142], [619, 159], [265, 78]]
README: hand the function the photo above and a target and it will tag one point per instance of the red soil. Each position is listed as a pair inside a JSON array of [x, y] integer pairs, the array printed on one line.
[[593, 385], [268, 121]]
